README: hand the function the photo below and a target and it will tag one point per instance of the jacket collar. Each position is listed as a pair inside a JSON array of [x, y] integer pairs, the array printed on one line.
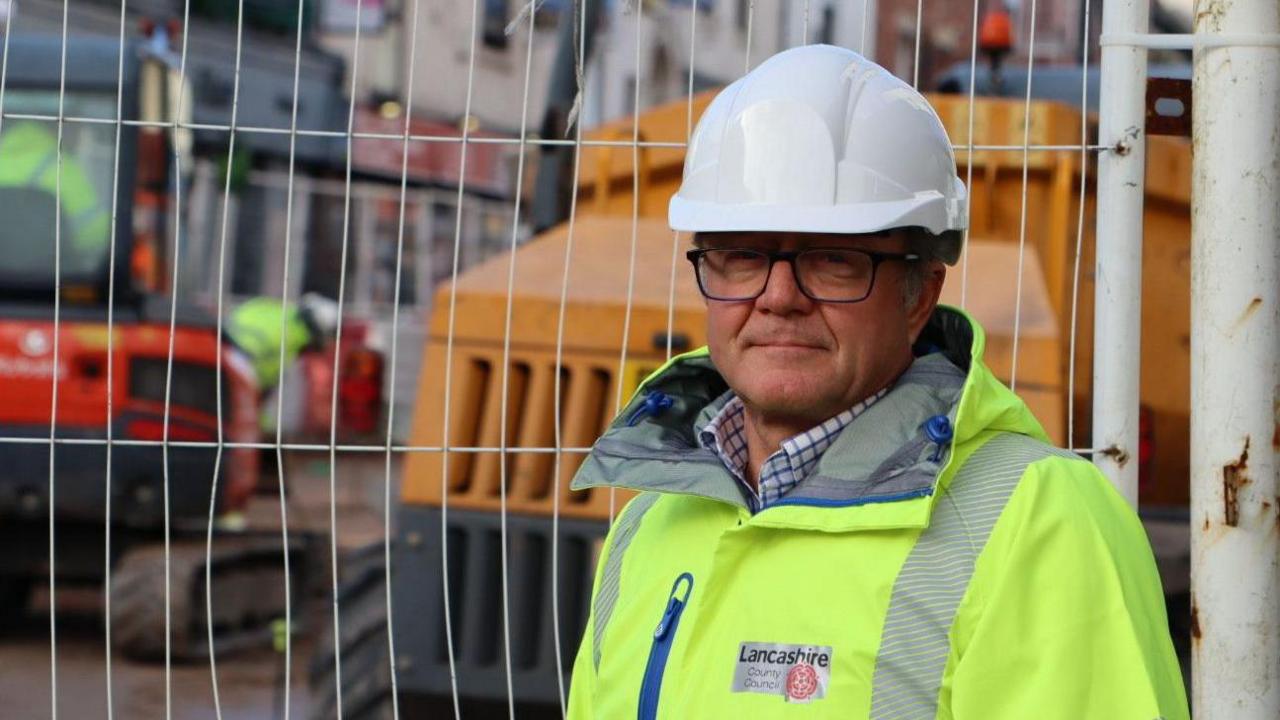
[[883, 469]]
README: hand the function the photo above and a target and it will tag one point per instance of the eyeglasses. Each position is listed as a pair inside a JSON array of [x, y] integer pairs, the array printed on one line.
[[837, 275]]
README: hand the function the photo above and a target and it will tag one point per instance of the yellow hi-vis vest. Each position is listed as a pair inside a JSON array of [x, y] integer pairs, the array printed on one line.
[[256, 327], [942, 561]]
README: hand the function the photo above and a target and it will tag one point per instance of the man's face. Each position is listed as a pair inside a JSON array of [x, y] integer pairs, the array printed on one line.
[[796, 360]]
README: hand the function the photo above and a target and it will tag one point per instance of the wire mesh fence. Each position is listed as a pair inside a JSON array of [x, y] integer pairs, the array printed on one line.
[[478, 190]]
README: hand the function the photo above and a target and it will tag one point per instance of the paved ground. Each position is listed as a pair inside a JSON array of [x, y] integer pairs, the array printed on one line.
[[251, 683]]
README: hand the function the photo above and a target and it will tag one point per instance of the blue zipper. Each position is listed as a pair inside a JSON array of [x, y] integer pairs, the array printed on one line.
[[663, 637]]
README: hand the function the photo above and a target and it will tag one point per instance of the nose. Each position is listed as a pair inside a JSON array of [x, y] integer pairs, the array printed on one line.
[[782, 294]]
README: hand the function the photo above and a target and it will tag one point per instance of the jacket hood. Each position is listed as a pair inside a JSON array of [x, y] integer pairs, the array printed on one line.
[[897, 449], [986, 404]]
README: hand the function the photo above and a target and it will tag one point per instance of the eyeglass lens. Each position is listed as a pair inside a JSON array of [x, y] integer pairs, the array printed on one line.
[[824, 274]]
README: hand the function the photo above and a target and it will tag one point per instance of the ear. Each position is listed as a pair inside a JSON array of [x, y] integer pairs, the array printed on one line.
[[935, 275]]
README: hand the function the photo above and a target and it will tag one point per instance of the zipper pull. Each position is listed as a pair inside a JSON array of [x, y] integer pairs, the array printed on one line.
[[673, 607], [675, 604]]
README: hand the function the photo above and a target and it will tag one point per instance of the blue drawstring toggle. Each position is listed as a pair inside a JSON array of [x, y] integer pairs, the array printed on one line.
[[938, 430], [654, 404]]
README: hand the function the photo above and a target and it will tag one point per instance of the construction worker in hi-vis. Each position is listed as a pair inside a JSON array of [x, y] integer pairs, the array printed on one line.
[[842, 513], [261, 326], [29, 160]]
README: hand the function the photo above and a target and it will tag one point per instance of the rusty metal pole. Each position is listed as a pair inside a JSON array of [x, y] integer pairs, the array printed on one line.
[[1118, 289], [1235, 360]]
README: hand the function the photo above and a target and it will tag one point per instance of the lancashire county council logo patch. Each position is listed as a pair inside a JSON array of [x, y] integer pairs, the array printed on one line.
[[797, 673]]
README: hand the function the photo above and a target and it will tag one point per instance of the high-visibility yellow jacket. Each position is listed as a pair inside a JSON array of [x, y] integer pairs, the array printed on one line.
[[255, 328], [29, 159], [942, 561]]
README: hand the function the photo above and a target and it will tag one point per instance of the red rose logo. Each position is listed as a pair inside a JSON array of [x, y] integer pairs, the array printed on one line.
[[802, 681]]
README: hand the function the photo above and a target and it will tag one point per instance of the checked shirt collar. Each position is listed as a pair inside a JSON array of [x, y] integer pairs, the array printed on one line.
[[726, 435]]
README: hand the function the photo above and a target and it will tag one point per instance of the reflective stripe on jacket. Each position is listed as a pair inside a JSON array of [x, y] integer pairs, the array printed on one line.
[[975, 573]]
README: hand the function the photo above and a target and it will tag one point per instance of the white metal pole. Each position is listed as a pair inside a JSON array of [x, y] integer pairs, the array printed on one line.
[[1118, 304], [1235, 366]]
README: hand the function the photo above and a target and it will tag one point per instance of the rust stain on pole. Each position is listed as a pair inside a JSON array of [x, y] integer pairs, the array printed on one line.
[[1250, 310], [1234, 478], [1275, 412], [1195, 622], [1125, 144], [1117, 453]]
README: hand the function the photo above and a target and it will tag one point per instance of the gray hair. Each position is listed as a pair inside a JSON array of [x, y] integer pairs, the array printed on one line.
[[921, 242]]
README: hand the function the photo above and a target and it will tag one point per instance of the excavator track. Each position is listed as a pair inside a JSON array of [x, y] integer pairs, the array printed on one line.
[[248, 581]]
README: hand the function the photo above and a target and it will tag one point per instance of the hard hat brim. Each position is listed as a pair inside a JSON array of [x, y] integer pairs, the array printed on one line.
[[928, 210]]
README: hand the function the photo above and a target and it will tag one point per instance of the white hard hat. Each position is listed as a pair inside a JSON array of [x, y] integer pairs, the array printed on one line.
[[820, 139], [320, 313]]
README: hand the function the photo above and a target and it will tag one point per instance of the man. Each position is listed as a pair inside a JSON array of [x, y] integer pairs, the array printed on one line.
[[29, 180], [842, 512], [260, 326]]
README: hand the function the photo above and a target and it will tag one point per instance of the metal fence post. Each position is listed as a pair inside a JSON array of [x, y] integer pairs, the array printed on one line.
[[1235, 361], [1118, 299]]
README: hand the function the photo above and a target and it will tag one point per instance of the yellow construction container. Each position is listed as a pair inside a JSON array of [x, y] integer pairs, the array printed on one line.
[[594, 373], [599, 368]]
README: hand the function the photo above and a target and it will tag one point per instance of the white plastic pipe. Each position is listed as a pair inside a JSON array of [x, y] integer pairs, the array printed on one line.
[[1118, 300], [1235, 366]]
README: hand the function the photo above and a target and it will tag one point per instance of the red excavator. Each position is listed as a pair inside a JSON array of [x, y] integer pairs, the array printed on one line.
[[94, 348]]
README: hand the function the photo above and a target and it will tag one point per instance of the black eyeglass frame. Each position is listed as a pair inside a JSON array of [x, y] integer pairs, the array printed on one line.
[[789, 257]]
